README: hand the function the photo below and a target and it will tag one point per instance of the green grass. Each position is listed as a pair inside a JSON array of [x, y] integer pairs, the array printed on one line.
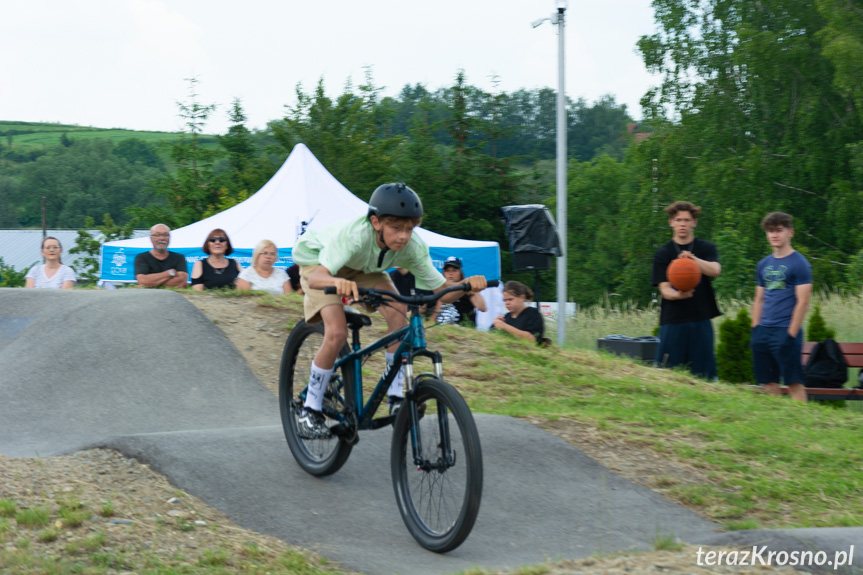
[[34, 136], [7, 508], [771, 462], [43, 135], [33, 517], [802, 476], [666, 542], [842, 312]]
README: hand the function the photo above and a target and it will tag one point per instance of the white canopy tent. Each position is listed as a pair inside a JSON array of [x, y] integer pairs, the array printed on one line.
[[301, 195]]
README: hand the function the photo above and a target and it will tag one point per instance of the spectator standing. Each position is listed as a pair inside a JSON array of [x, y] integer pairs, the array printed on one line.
[[216, 271], [51, 273], [261, 275], [159, 267], [782, 293], [522, 321], [685, 330]]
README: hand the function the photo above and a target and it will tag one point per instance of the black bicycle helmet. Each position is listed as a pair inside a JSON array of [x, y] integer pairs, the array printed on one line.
[[395, 200]]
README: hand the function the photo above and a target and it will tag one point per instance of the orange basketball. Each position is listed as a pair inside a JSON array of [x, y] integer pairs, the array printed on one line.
[[683, 274]]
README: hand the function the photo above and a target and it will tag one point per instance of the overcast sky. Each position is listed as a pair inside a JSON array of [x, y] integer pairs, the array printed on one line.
[[123, 63]]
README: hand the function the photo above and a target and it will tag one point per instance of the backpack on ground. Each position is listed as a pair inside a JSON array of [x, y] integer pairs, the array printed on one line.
[[826, 366]]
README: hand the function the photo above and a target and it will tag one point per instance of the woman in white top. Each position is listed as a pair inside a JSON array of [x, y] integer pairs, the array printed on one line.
[[261, 275], [52, 273]]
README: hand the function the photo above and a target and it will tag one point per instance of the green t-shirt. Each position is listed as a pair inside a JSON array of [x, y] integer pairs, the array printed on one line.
[[353, 245]]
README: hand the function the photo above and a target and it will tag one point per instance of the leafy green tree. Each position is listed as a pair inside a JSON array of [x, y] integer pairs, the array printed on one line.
[[474, 185], [91, 245], [136, 150], [192, 190], [763, 99], [733, 356], [737, 279], [598, 193], [9, 197], [421, 165], [348, 135], [238, 141], [82, 179], [10, 277], [842, 41], [248, 171], [600, 129]]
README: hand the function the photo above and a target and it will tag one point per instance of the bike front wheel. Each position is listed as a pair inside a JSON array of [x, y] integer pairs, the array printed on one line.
[[438, 486], [316, 456]]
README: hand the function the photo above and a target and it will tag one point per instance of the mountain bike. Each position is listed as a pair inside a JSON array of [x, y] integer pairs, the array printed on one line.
[[435, 457]]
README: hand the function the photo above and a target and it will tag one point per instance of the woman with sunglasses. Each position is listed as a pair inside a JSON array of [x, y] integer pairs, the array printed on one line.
[[51, 273], [261, 275], [216, 271]]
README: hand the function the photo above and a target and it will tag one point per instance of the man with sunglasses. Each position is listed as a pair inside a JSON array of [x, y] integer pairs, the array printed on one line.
[[159, 267]]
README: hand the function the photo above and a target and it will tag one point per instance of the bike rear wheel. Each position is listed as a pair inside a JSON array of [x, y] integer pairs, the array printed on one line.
[[439, 496], [316, 456]]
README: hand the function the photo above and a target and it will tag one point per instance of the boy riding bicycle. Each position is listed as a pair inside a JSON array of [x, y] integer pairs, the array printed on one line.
[[357, 254]]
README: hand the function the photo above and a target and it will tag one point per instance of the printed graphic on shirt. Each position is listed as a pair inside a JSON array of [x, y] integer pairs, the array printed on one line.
[[775, 278]]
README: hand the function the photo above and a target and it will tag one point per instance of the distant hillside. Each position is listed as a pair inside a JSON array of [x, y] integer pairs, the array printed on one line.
[[24, 136]]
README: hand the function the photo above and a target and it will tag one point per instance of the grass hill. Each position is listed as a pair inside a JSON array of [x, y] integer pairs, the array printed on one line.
[[26, 136], [768, 462]]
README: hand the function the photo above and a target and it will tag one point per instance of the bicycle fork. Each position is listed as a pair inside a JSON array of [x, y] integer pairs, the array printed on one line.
[[446, 457]]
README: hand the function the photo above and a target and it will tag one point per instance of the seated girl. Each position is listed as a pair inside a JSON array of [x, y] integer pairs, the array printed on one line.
[[522, 321]]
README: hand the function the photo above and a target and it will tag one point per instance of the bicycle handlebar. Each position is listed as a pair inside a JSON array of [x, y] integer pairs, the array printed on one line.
[[417, 300]]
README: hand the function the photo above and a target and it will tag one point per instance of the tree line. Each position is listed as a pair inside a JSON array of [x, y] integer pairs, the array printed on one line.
[[466, 151], [757, 108]]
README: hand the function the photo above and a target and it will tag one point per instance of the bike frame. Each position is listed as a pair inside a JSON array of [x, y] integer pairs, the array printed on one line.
[[413, 344]]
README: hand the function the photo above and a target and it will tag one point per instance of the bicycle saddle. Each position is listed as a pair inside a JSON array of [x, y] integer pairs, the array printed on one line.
[[356, 319]]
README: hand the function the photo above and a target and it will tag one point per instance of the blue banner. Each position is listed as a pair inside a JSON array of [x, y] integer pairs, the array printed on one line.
[[118, 263]]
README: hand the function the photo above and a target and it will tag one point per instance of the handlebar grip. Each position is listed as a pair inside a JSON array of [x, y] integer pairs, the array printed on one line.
[[331, 290], [493, 283]]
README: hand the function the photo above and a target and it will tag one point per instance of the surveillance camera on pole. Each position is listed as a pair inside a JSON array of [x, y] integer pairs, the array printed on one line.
[[536, 23]]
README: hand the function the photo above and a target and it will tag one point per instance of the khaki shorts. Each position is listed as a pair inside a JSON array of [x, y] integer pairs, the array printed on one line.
[[314, 300]]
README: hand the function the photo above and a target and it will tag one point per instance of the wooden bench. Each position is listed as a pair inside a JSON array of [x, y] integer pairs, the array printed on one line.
[[853, 353]]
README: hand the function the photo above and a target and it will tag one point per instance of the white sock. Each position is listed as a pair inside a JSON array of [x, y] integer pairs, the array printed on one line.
[[397, 384], [318, 381]]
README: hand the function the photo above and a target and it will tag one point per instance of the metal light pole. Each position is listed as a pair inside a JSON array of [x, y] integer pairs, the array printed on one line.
[[557, 19]]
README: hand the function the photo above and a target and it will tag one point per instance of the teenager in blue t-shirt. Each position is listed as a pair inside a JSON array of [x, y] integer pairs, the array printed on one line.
[[781, 301]]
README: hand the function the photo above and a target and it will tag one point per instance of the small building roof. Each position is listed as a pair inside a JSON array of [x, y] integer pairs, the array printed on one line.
[[20, 249]]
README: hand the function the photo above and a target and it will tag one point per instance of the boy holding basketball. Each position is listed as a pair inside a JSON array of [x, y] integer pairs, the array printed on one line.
[[685, 331], [781, 301]]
